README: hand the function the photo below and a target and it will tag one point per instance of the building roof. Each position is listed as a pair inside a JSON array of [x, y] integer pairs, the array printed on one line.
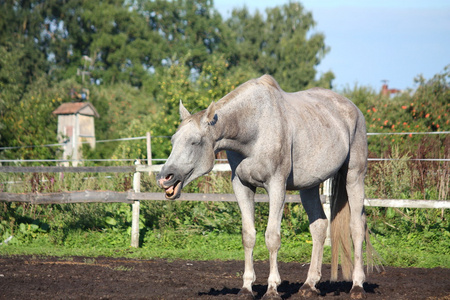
[[82, 108]]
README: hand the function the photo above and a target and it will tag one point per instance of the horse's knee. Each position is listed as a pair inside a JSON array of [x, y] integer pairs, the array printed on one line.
[[319, 225], [318, 229], [273, 240], [248, 238]]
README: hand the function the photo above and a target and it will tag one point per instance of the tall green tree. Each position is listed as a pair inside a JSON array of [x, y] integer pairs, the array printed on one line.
[[21, 60], [21, 57], [187, 26], [280, 44], [110, 39], [30, 123]]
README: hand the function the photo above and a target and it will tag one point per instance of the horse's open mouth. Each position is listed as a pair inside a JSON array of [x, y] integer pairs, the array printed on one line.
[[173, 192]]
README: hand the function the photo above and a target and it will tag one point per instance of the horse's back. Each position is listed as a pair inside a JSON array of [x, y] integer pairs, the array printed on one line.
[[323, 101]]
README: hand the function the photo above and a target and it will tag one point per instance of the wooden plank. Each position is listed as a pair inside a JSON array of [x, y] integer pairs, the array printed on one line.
[[205, 197], [118, 169], [184, 197], [129, 197], [67, 197], [291, 199], [407, 203]]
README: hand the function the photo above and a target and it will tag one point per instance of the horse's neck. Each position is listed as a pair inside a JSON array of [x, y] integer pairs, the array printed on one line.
[[236, 127]]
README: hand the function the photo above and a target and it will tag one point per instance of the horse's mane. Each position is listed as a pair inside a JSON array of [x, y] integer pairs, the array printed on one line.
[[266, 80], [269, 81]]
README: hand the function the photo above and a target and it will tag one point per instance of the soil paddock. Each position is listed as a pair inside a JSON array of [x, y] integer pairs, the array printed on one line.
[[29, 277]]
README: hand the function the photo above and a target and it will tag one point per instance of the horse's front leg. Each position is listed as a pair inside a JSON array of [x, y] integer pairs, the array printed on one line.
[[245, 197], [273, 238]]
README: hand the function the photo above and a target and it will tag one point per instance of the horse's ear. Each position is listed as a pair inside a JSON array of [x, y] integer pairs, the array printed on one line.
[[184, 113], [210, 114]]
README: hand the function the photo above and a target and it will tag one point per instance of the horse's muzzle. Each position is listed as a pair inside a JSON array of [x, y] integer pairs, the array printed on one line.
[[171, 183]]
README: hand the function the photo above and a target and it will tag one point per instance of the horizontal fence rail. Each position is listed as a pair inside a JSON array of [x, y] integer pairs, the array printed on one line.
[[61, 169], [89, 196], [68, 197]]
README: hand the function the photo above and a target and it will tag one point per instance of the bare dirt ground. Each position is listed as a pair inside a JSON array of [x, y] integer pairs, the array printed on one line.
[[25, 277]]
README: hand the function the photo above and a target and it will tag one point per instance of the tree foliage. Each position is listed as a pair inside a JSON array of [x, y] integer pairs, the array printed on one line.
[[187, 26], [279, 45], [30, 123]]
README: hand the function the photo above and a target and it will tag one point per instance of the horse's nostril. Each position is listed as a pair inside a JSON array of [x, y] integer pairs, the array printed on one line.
[[168, 177]]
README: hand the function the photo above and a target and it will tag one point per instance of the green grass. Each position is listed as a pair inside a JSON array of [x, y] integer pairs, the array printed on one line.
[[171, 245]]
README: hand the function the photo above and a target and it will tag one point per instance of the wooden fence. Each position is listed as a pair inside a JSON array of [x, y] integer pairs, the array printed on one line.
[[134, 196]]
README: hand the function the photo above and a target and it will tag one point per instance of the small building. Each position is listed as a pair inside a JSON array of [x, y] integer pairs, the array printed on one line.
[[386, 91], [75, 126]]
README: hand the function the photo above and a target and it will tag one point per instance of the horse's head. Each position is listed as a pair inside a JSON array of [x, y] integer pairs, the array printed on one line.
[[192, 152]]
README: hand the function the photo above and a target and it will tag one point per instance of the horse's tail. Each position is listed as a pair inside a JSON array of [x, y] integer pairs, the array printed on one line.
[[341, 242], [340, 229]]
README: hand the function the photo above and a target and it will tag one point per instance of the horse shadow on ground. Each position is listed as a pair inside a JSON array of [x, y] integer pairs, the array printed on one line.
[[287, 289]]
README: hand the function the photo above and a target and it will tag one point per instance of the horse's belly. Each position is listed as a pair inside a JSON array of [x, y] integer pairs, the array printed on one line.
[[308, 174], [306, 182]]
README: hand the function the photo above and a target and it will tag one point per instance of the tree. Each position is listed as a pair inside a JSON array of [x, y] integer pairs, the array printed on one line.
[[187, 26], [31, 123], [126, 41], [112, 35], [21, 61], [20, 24], [279, 45]]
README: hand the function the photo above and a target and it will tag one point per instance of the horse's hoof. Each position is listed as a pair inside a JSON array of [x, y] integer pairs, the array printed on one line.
[[271, 295], [245, 294], [357, 292], [307, 291]]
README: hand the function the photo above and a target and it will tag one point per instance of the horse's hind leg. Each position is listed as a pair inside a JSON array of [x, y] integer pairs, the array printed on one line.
[[355, 191], [318, 227], [245, 197]]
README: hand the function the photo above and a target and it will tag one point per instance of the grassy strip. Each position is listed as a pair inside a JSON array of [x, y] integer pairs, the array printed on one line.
[[217, 246]]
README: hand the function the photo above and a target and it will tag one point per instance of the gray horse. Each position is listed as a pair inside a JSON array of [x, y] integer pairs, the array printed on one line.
[[282, 141]]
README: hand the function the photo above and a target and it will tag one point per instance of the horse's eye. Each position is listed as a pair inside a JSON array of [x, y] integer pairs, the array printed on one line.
[[196, 141]]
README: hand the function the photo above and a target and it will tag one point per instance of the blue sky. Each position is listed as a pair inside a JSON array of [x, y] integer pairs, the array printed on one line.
[[371, 41]]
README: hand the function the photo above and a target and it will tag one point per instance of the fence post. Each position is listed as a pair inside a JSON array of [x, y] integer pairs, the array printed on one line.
[[327, 192], [149, 151], [136, 208]]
